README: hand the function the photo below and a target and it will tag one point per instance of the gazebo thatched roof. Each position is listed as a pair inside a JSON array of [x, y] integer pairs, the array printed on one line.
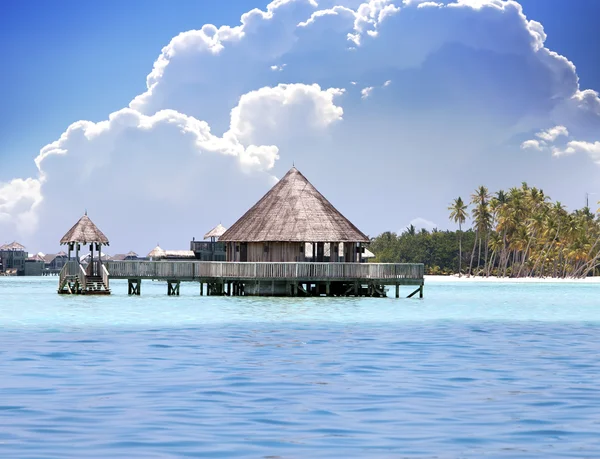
[[217, 232], [293, 211], [84, 232]]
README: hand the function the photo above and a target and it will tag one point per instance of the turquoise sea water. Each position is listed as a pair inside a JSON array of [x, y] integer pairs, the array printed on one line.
[[471, 371]]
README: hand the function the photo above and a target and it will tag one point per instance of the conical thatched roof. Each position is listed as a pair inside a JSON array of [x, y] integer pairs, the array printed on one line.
[[293, 211], [84, 232], [156, 252], [217, 231]]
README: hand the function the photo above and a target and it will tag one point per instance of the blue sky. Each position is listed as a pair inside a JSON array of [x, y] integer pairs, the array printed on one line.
[[469, 103]]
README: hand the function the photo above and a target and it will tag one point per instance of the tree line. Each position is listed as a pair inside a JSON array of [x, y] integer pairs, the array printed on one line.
[[514, 233]]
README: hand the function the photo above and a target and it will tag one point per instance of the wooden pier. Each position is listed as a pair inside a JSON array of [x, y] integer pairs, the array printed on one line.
[[272, 278]]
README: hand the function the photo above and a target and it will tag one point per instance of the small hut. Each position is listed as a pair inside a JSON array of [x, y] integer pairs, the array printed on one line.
[[215, 233], [156, 253], [210, 249], [293, 222], [84, 233]]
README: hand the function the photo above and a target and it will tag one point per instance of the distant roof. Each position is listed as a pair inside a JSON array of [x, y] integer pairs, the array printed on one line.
[[368, 254], [124, 256], [293, 211], [156, 252], [217, 232], [49, 257], [104, 256], [179, 254], [15, 246], [35, 257], [84, 232]]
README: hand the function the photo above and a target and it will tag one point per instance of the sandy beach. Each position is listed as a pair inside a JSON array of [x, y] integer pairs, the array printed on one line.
[[508, 280]]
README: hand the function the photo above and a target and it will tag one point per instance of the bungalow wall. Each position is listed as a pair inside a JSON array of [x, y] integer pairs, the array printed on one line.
[[291, 252]]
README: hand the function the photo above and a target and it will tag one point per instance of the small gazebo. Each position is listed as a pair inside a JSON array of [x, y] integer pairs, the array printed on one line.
[[84, 232], [156, 253], [215, 233]]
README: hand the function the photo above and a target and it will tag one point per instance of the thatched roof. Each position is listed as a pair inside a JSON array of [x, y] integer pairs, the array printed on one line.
[[13, 246], [293, 211], [125, 256], [156, 252], [177, 254], [84, 232], [217, 232]]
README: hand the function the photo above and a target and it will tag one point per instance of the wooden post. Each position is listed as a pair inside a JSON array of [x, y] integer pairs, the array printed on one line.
[[134, 287], [201, 288], [397, 290], [328, 286], [421, 291], [173, 287]]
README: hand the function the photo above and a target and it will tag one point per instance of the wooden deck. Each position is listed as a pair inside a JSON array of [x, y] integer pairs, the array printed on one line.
[[285, 279]]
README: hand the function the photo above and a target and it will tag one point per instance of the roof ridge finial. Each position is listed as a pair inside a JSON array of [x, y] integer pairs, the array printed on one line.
[[86, 212]]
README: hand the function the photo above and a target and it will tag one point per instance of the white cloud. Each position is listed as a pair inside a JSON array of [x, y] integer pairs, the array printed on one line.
[[159, 160], [284, 109], [592, 149], [550, 135], [19, 200], [366, 92], [532, 144], [216, 114]]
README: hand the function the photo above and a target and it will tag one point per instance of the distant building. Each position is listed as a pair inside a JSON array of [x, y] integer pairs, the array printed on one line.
[[12, 259], [34, 265], [53, 262], [125, 256], [159, 254], [210, 249]]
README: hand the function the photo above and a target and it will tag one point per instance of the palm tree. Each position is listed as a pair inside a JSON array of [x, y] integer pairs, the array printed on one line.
[[482, 220], [458, 214]]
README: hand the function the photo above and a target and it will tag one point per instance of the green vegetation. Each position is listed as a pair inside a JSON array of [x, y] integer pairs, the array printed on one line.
[[519, 233]]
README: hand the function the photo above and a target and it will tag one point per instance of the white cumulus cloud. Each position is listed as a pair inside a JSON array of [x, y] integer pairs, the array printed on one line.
[[219, 119]]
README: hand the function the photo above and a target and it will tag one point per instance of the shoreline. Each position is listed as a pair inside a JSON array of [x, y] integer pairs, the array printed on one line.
[[508, 280]]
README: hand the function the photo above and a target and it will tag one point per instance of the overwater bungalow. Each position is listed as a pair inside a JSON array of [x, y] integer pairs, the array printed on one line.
[[53, 262], [292, 242], [292, 216], [12, 259], [210, 249]]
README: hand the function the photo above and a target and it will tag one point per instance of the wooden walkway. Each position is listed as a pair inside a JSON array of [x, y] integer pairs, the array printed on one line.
[[280, 279]]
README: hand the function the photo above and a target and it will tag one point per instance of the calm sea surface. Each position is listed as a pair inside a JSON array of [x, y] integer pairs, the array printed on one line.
[[471, 371]]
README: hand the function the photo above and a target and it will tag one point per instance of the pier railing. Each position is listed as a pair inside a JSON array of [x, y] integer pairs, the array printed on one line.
[[197, 270], [69, 269]]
